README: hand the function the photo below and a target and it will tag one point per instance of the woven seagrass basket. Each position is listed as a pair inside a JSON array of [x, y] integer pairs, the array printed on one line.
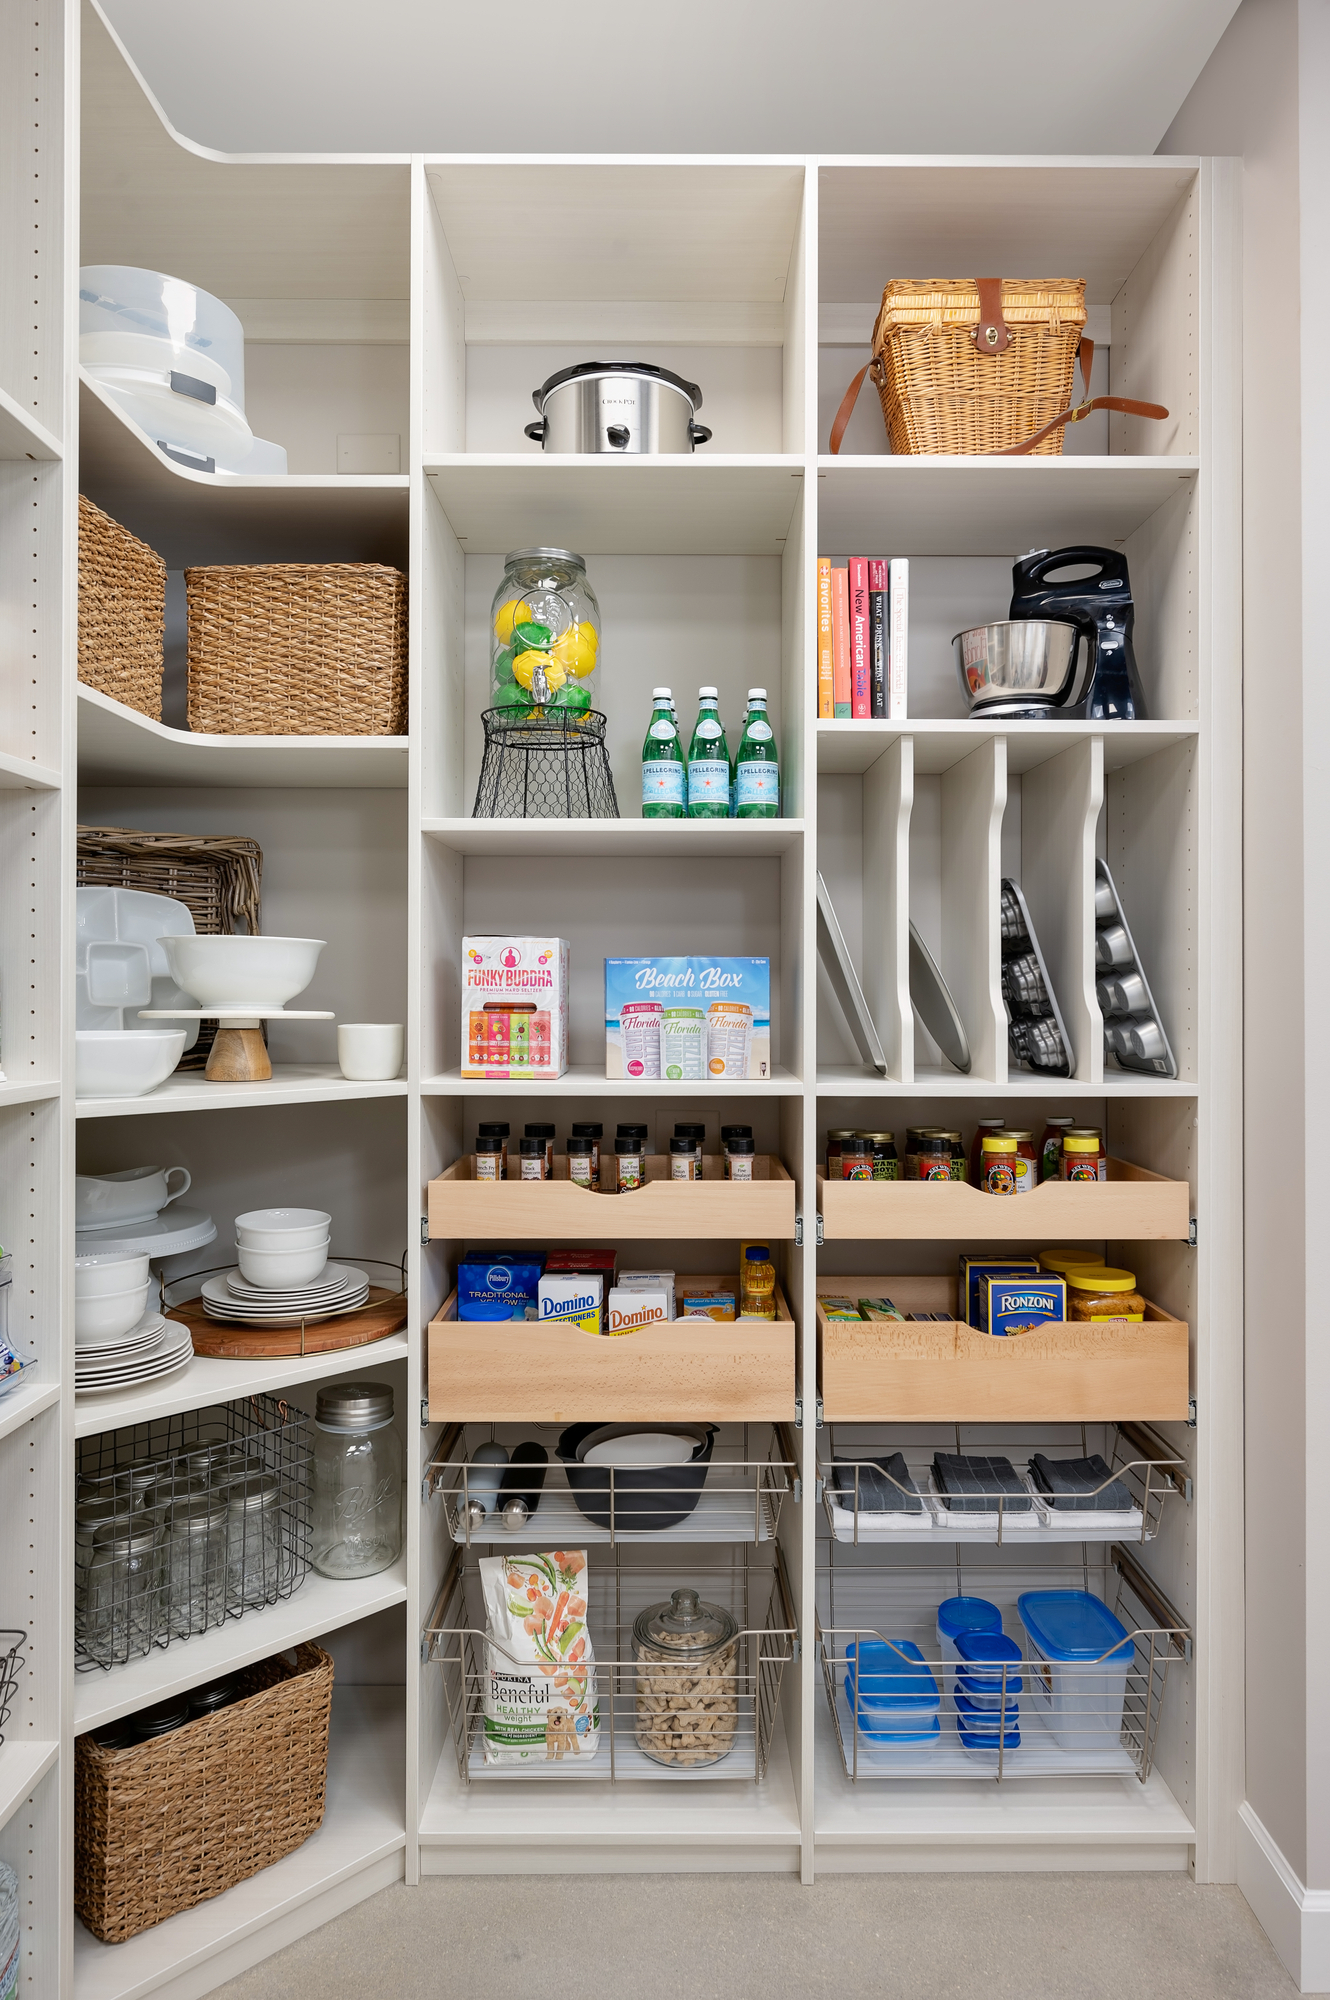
[[297, 649], [122, 612], [939, 394], [168, 1824], [218, 877]]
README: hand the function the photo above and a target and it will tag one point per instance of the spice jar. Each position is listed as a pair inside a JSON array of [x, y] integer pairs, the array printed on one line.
[[997, 1172], [1103, 1294], [882, 1153], [629, 1164], [357, 1480], [196, 1563], [834, 1142], [934, 1156], [497, 1128], [126, 1613], [581, 1162], [1050, 1148], [1027, 1160], [255, 1569], [1083, 1155], [740, 1154], [546, 1133], [684, 1162], [757, 1282], [488, 1162], [728, 1132], [687, 1699], [595, 1132], [544, 633], [697, 1133], [534, 1160], [977, 1146]]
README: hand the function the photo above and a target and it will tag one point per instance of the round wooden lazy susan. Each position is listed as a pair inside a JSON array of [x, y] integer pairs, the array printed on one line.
[[384, 1313]]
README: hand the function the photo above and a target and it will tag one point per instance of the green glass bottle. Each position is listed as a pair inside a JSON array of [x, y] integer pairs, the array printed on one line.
[[708, 761], [662, 762], [757, 764]]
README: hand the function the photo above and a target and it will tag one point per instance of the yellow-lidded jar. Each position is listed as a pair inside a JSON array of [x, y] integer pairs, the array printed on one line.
[[1101, 1293], [1060, 1260], [1083, 1155], [997, 1163]]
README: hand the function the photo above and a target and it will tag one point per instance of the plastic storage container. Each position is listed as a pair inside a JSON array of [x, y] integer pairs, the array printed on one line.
[[173, 357], [985, 1658], [964, 1614], [892, 1694], [1080, 1657]]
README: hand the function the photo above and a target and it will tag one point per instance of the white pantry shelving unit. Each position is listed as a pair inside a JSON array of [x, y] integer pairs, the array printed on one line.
[[743, 274]]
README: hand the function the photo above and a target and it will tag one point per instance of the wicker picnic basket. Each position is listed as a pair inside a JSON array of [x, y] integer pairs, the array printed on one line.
[[297, 649], [122, 612], [167, 1824], [218, 877]]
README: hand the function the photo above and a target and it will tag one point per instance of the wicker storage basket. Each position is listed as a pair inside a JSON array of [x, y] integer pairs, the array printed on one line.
[[168, 1824], [939, 394], [218, 877], [122, 612], [297, 649]]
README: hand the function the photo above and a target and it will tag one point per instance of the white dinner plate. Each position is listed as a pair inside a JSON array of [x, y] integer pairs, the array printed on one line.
[[336, 1279], [142, 1331], [307, 1316], [164, 1362]]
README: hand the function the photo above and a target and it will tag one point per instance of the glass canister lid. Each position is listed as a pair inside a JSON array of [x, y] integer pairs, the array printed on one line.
[[684, 1624], [542, 556], [256, 1494], [354, 1406]]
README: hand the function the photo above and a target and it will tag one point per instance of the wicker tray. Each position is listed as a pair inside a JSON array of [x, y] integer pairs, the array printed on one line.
[[168, 1824], [122, 612], [218, 877], [297, 649]]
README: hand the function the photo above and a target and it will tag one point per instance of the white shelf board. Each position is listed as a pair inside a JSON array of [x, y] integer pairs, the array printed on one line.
[[586, 1080], [364, 1824], [27, 1090], [933, 1082], [319, 1605], [20, 774], [118, 746], [290, 1083], [668, 506], [849, 747], [595, 1824], [911, 506], [22, 436], [196, 517], [205, 1382], [25, 1401], [689, 839], [24, 1762]]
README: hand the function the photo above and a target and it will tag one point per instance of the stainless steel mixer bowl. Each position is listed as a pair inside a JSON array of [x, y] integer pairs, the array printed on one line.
[[1016, 660]]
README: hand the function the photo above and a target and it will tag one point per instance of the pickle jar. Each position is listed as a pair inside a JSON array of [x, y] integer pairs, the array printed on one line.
[[544, 634]]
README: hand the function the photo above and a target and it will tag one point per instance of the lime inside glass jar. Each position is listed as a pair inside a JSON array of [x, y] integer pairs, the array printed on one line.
[[544, 634]]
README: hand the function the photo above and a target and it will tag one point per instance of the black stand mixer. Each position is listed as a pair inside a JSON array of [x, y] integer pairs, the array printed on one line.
[[1102, 612]]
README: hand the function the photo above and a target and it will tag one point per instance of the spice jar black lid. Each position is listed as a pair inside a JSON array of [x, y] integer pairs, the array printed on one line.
[[538, 1131], [494, 1128], [489, 1142], [579, 1147], [627, 1144], [630, 1131], [736, 1131], [739, 1145], [533, 1146], [690, 1131], [681, 1143], [588, 1129]]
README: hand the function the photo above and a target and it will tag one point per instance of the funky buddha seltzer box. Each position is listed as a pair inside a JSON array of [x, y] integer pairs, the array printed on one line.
[[514, 1006], [692, 1020]]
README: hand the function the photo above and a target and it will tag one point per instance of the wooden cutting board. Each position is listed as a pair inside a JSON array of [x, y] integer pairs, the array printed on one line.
[[385, 1313]]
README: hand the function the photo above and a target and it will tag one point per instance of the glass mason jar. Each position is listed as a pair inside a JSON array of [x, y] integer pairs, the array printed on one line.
[[687, 1700], [196, 1563], [125, 1600], [544, 634], [89, 1515], [357, 1480], [254, 1567]]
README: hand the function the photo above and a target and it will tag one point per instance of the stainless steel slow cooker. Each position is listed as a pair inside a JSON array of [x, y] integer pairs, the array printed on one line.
[[622, 407]]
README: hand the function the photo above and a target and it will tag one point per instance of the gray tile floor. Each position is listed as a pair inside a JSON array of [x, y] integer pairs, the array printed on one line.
[[751, 1937]]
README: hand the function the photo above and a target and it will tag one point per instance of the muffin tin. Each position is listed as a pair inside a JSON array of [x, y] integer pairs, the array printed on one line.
[[1036, 1036], [1133, 1030]]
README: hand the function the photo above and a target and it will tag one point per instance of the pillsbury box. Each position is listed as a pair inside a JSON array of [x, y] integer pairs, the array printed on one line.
[[497, 1287]]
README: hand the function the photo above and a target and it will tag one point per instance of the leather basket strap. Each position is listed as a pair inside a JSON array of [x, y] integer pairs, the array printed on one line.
[[846, 410]]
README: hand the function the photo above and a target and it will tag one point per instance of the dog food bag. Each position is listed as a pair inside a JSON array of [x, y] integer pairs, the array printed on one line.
[[540, 1670]]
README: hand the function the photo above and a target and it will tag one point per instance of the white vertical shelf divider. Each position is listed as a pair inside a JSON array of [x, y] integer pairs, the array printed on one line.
[[974, 797], [1061, 800], [888, 798]]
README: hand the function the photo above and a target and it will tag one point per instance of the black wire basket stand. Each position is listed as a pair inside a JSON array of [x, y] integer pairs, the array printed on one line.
[[553, 765]]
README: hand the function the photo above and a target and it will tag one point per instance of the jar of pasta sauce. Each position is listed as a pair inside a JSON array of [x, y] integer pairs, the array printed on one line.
[[882, 1147], [856, 1159], [1083, 1155], [834, 1142], [935, 1160], [1050, 1148], [1027, 1160], [997, 1172], [977, 1147]]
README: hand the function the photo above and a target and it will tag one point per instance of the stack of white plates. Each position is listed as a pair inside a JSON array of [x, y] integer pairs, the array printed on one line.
[[340, 1288], [155, 1347]]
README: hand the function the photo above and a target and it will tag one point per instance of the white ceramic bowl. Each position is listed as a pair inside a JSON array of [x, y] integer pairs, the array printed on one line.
[[104, 1275], [109, 1315], [256, 972], [279, 1270], [282, 1229], [124, 1062]]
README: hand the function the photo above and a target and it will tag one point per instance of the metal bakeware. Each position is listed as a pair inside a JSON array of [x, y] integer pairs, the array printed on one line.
[[1133, 1031], [1036, 1036]]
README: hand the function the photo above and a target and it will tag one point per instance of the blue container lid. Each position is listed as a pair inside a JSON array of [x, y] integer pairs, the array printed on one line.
[[1073, 1625], [978, 1684], [967, 1614], [889, 1683], [978, 1739], [981, 1649], [983, 1721]]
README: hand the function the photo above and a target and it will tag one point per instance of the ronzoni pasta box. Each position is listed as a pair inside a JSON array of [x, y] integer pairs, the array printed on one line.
[[514, 1006], [691, 1020]]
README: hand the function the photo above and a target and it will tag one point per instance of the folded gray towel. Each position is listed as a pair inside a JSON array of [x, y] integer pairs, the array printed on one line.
[[881, 1481], [1084, 1485], [975, 1485]]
